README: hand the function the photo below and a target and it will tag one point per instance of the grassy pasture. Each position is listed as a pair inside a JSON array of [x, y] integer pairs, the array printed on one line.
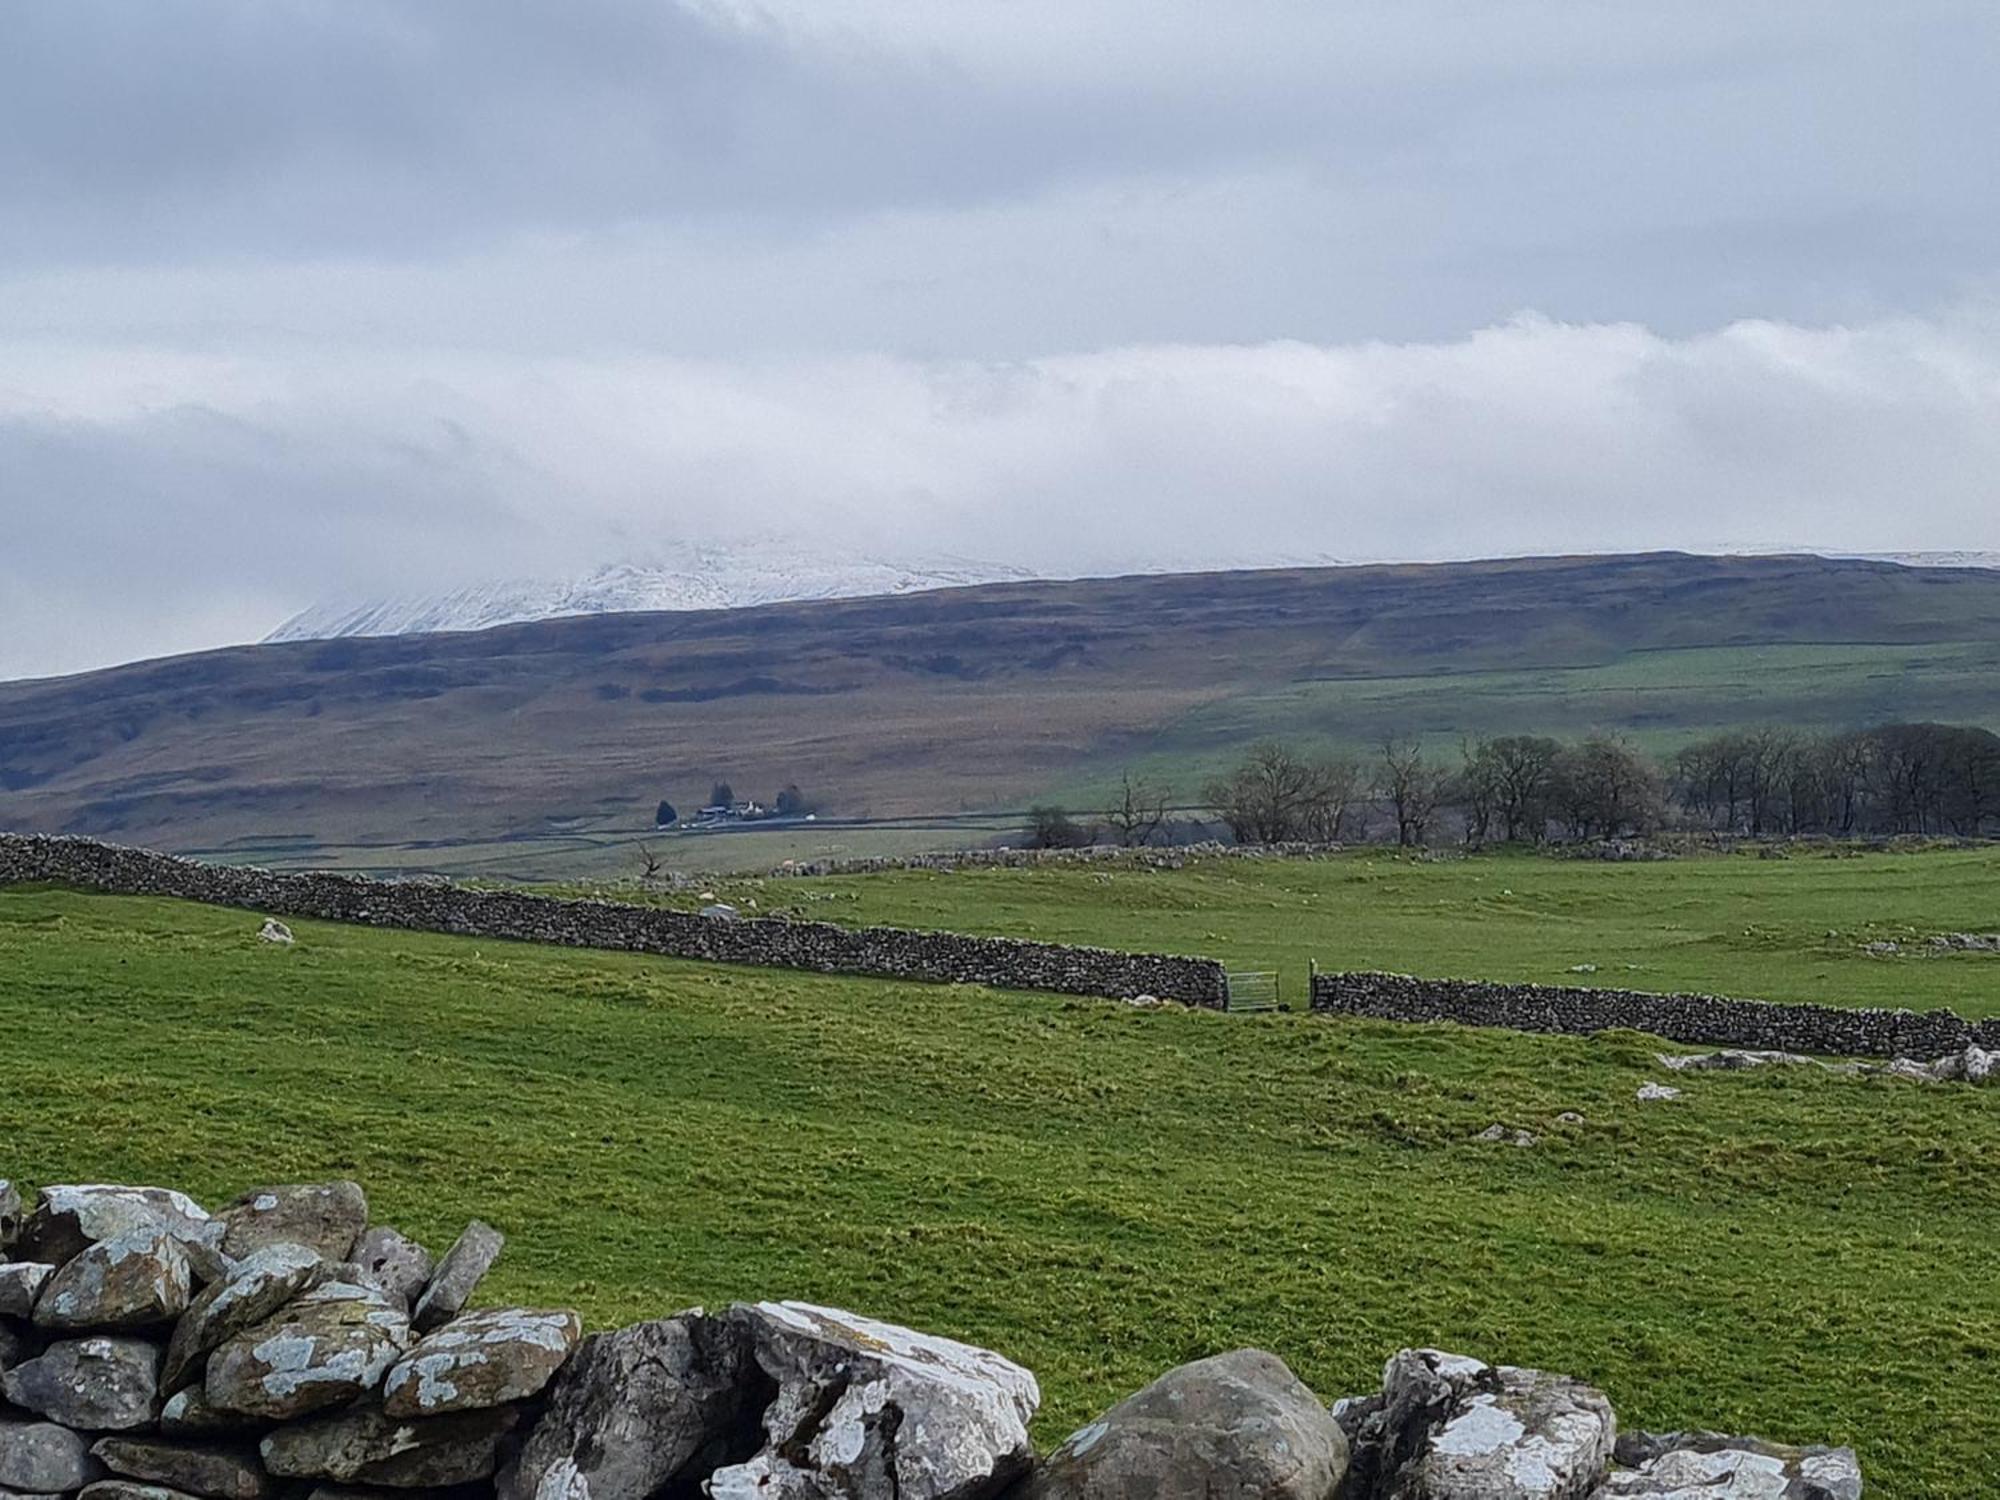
[[1096, 1191], [1658, 698], [1764, 929]]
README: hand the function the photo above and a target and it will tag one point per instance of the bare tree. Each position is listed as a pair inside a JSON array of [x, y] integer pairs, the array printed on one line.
[[1262, 800], [1333, 806], [1524, 768], [1606, 787], [1411, 785], [649, 863], [1052, 828], [1139, 812], [1477, 789]]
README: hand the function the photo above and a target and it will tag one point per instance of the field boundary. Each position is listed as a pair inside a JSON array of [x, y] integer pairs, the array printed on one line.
[[438, 906], [1698, 1020]]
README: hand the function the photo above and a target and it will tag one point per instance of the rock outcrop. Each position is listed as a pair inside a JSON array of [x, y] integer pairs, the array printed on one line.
[[1237, 1426], [1709, 1466], [870, 1411], [285, 1349], [642, 1408]]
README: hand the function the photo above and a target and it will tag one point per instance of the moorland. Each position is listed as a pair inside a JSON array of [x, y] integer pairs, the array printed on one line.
[[543, 749]]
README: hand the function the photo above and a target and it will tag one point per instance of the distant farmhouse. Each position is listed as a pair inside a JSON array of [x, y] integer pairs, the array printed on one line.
[[724, 807]]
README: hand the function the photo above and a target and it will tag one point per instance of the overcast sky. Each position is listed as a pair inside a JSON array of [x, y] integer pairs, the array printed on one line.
[[309, 299]]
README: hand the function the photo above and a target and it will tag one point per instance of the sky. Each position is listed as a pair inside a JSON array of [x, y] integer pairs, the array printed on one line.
[[309, 300]]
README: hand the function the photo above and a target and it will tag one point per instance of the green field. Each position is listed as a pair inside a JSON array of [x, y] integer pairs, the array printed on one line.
[[1658, 698], [1097, 1191], [1764, 929]]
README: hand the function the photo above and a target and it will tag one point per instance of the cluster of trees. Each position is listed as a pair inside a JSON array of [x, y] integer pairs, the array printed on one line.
[[1896, 778]]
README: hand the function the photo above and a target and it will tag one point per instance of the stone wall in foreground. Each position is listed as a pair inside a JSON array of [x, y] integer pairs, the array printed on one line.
[[436, 906], [1701, 1020], [288, 1347]]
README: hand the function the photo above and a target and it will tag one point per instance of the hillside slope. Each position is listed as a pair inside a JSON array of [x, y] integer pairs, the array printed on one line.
[[966, 698]]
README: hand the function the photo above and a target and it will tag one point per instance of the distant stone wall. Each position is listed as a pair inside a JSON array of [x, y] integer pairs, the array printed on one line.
[[1701, 1020], [435, 906], [1146, 857]]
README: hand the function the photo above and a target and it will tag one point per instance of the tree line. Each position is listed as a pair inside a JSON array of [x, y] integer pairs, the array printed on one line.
[[1892, 779]]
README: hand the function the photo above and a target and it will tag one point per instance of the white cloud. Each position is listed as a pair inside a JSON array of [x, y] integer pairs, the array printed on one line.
[[241, 487]]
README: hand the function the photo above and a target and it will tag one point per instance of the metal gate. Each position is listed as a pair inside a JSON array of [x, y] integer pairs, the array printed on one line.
[[1252, 989]]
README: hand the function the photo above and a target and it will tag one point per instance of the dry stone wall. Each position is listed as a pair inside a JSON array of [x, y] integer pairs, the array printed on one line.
[[436, 906], [285, 1347], [1140, 857], [1701, 1020]]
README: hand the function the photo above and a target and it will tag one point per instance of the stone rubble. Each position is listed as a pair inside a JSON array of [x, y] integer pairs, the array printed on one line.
[[286, 1349]]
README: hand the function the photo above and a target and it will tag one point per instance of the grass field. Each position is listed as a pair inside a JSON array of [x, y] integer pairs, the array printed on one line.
[[1097, 1191], [1660, 699], [1767, 929]]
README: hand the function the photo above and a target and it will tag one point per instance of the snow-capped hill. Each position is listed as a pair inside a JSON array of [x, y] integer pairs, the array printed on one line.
[[696, 577]]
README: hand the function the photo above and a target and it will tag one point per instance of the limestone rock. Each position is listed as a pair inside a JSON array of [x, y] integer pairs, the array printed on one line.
[[394, 1262], [70, 1217], [329, 1347], [366, 1446], [127, 1489], [10, 1215], [132, 1280], [853, 1396], [251, 1291], [1236, 1426], [1971, 1065], [325, 1217], [637, 1408], [99, 1384], [1732, 1059], [14, 1345], [1651, 1092], [274, 931], [1387, 1430], [217, 1472], [1445, 1427], [470, 1257], [1501, 1135], [20, 1283], [483, 1359], [1709, 1466], [188, 1414], [43, 1458]]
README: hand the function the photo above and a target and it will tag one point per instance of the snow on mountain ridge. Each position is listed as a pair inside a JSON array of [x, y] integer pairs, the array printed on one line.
[[700, 578]]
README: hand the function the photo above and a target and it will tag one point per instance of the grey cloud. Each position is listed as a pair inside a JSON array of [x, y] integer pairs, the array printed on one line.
[[1449, 164]]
